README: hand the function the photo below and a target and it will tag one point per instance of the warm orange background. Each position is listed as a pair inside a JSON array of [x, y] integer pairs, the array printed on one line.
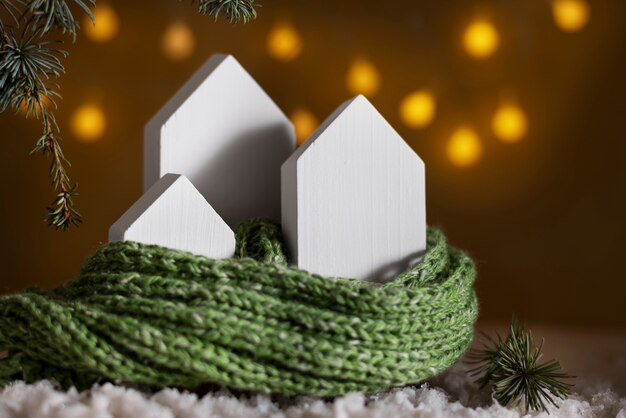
[[543, 218]]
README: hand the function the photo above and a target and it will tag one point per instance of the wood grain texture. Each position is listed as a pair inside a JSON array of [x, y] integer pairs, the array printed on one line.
[[173, 214], [225, 134], [353, 198]]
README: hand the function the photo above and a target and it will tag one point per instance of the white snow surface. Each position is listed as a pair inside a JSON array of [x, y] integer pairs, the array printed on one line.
[[451, 395]]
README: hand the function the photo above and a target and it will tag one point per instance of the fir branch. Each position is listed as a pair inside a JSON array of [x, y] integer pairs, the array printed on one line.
[[29, 64], [511, 366], [56, 14], [61, 214], [234, 10], [27, 67]]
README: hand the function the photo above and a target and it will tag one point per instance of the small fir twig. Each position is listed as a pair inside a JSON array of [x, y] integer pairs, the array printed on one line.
[[29, 64], [56, 14], [61, 214], [511, 366], [234, 10]]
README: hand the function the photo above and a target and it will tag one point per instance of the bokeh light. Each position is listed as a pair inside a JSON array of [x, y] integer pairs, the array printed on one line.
[[305, 123], [464, 147], [284, 42], [363, 78], [88, 123], [570, 15], [107, 23], [417, 110], [178, 42], [509, 123], [481, 39]]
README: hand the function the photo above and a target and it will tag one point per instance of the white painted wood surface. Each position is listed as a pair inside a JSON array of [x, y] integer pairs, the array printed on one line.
[[353, 198], [225, 134], [173, 214]]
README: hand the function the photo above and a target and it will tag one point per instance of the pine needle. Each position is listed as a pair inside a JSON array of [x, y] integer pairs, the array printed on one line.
[[512, 368], [234, 10]]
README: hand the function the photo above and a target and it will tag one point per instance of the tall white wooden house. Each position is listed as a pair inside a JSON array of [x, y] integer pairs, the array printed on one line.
[[226, 135], [353, 197]]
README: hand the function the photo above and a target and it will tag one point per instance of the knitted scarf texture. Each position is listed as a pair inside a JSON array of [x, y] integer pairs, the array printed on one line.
[[147, 315]]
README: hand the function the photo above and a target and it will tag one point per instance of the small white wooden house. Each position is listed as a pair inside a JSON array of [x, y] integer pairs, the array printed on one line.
[[173, 214], [353, 197], [224, 133]]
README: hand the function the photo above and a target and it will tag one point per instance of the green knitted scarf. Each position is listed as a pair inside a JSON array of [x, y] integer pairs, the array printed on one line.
[[143, 314]]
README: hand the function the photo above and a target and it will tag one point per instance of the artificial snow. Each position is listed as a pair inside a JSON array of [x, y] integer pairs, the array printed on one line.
[[453, 394]]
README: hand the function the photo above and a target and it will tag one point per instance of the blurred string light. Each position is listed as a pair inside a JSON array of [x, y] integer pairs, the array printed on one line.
[[88, 123], [509, 123], [464, 147], [570, 15], [481, 38], [305, 123], [178, 41], [284, 42], [363, 78], [417, 110], [107, 23]]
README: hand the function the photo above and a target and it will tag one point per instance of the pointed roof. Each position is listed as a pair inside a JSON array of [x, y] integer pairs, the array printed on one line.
[[173, 214], [356, 107]]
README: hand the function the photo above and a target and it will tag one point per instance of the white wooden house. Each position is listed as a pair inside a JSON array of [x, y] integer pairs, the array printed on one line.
[[224, 133], [173, 214], [353, 197]]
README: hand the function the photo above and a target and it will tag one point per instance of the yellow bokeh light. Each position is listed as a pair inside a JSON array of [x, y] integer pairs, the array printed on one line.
[[464, 147], [481, 39], [178, 42], [88, 123], [305, 123], [363, 78], [509, 123], [107, 24], [570, 15], [417, 110], [284, 42]]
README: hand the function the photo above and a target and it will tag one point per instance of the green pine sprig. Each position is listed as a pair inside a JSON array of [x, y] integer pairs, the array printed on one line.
[[512, 367], [57, 14], [30, 63], [234, 10]]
